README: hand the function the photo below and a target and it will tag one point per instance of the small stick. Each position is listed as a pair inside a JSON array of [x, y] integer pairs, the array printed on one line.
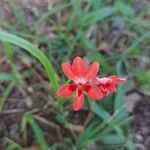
[[19, 110], [50, 124], [12, 111], [89, 117]]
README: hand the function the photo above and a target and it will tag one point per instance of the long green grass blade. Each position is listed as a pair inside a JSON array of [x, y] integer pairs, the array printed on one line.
[[100, 111], [7, 76], [112, 138], [38, 133], [32, 49]]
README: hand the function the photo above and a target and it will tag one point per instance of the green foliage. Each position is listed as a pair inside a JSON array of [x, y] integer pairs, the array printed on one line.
[[7, 25], [11, 145], [103, 62], [35, 52], [96, 16], [109, 125], [36, 129], [143, 76], [7, 77], [17, 13]]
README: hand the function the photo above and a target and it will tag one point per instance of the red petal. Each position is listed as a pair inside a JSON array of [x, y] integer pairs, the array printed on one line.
[[94, 80], [104, 90], [95, 93], [73, 87], [67, 71], [78, 102], [117, 80], [111, 87], [65, 91], [92, 71], [86, 87], [78, 66]]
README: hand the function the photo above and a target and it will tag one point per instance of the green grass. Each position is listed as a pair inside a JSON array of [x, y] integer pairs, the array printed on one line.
[[29, 119], [6, 37], [110, 123]]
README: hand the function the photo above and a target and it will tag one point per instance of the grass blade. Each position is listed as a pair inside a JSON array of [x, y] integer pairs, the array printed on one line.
[[32, 49], [112, 139], [38, 133], [96, 16], [100, 111], [17, 13], [7, 77], [47, 14], [136, 43], [7, 25]]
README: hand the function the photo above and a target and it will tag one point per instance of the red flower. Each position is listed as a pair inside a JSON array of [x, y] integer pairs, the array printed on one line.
[[81, 74], [107, 84], [85, 80]]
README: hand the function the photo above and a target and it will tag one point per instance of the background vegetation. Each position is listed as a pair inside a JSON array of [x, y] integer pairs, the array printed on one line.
[[36, 38]]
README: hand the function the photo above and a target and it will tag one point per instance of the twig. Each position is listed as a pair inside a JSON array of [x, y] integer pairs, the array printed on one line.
[[77, 128], [50, 124], [39, 77], [89, 117], [18, 110], [12, 111]]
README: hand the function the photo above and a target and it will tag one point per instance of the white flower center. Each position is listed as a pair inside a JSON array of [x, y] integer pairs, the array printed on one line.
[[81, 80], [104, 80]]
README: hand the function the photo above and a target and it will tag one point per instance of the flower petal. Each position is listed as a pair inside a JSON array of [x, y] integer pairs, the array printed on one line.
[[66, 90], [78, 102], [111, 87], [67, 71], [104, 90], [95, 93], [91, 71], [78, 66], [94, 80], [117, 80]]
